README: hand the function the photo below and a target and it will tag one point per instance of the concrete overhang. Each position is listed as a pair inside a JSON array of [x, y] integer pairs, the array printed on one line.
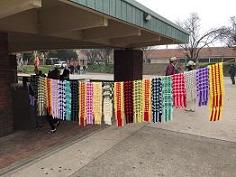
[[61, 24]]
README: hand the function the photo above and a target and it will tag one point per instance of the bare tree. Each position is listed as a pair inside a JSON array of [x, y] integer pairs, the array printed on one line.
[[147, 51], [197, 41]]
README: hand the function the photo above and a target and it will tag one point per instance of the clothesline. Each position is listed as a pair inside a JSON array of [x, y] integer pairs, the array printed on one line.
[[147, 100]]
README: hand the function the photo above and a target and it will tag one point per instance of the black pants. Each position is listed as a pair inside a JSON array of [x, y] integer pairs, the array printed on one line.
[[51, 121], [233, 80]]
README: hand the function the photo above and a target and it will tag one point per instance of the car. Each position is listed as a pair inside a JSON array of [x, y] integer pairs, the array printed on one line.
[[60, 64]]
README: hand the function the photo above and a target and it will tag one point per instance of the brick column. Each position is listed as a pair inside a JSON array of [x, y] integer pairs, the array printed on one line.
[[128, 65], [6, 78]]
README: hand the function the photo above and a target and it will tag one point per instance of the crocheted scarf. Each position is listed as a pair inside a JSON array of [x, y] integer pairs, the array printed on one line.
[[97, 102], [167, 98], [82, 103], [41, 97], [179, 91], [74, 100], [157, 100], [216, 91], [191, 87], [107, 102], [202, 76], [119, 103], [147, 100], [138, 101], [89, 103], [68, 100], [128, 93]]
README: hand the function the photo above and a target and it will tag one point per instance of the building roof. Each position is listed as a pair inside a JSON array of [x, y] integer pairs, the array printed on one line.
[[163, 54], [61, 24]]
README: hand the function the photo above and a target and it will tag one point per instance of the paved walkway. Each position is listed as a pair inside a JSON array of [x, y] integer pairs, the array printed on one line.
[[190, 146]]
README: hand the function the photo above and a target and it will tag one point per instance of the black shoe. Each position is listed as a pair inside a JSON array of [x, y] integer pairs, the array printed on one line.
[[52, 131]]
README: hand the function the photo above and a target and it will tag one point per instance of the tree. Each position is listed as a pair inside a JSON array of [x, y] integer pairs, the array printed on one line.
[[229, 33], [197, 41], [147, 51]]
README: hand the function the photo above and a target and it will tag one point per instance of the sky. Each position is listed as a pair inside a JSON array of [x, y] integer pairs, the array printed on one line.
[[213, 13]]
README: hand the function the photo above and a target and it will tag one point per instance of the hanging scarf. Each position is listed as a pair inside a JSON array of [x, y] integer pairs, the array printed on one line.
[[179, 91], [156, 100], [119, 103], [89, 103], [82, 103], [216, 91], [62, 99], [138, 101], [202, 86], [68, 100], [49, 96], [107, 102], [97, 102], [147, 100], [128, 93], [167, 98], [191, 88], [74, 100], [41, 97]]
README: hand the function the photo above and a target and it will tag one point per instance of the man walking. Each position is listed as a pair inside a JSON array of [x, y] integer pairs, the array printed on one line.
[[232, 72], [171, 68]]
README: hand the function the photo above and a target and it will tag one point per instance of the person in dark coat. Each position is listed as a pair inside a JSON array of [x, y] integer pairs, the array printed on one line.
[[232, 72], [171, 68]]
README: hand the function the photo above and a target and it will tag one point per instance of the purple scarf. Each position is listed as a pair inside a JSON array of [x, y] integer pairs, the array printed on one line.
[[202, 86]]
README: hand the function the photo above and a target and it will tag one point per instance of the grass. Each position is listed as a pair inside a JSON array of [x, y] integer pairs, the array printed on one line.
[[101, 68], [29, 69]]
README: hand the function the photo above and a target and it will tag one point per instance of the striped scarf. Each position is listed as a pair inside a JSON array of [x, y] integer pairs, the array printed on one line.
[[41, 97], [147, 100], [119, 103], [138, 101], [128, 93], [89, 103], [179, 91], [167, 98], [157, 100], [107, 90], [202, 86], [216, 91], [97, 102]]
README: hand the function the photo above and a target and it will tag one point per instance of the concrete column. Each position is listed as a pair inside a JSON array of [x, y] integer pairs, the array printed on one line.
[[6, 78], [128, 65]]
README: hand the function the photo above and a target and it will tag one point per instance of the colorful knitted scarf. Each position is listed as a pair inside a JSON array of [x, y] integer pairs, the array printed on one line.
[[107, 102], [82, 103], [128, 93], [74, 100], [157, 100], [147, 100], [97, 102], [49, 96], [89, 103], [191, 89], [41, 97], [179, 91], [216, 91], [62, 99], [202, 86], [167, 98], [119, 103], [68, 100], [138, 101]]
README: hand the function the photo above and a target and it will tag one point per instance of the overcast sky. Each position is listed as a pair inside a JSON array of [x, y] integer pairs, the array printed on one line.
[[213, 13]]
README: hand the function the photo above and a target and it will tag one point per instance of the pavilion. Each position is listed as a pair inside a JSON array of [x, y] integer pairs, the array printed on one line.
[[124, 25]]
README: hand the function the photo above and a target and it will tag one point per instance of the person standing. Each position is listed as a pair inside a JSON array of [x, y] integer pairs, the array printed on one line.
[[232, 72], [171, 68]]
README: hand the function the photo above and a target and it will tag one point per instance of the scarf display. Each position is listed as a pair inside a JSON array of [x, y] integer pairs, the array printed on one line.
[[82, 103], [74, 100], [167, 98], [68, 100], [89, 103], [119, 103], [49, 96], [147, 100], [128, 93], [41, 97], [107, 92], [156, 100], [202, 76], [61, 98], [138, 101], [191, 89], [97, 102], [179, 91], [216, 91]]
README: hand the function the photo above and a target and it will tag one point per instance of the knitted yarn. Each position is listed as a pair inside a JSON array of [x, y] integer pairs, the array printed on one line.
[[119, 103], [157, 100], [202, 76], [128, 93], [138, 101], [68, 100], [89, 103], [97, 102], [41, 97], [74, 100], [107, 92], [82, 103], [147, 100], [167, 98]]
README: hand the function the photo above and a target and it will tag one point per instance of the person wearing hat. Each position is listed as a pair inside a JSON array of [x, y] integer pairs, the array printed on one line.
[[190, 65], [171, 68]]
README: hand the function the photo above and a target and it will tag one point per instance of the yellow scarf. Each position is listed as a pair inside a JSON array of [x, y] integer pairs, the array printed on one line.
[[97, 102]]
